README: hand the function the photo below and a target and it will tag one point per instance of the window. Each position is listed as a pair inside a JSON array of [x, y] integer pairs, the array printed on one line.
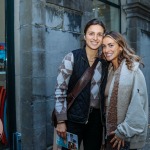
[[4, 123], [108, 12], [114, 1]]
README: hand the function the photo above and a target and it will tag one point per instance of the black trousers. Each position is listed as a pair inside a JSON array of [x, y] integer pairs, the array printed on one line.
[[90, 133]]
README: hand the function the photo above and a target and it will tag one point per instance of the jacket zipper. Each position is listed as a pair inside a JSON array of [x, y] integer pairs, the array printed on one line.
[[88, 116], [89, 104]]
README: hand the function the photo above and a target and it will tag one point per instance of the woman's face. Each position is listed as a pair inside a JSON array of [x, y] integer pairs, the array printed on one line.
[[93, 37], [111, 49]]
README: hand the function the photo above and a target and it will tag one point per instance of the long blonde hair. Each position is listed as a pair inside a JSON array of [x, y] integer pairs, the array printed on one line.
[[127, 52]]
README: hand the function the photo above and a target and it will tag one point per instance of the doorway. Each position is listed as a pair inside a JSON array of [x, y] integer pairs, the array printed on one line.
[[7, 82], [3, 98]]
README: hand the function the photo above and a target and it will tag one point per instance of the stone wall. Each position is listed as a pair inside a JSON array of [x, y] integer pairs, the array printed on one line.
[[48, 30], [138, 35]]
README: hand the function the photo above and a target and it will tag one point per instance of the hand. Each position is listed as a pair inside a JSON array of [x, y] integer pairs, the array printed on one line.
[[61, 129], [116, 141]]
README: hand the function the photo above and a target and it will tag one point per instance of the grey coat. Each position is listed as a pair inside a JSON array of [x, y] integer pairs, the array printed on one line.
[[132, 106]]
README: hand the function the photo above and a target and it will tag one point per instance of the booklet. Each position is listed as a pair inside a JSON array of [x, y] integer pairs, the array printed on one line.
[[70, 143]]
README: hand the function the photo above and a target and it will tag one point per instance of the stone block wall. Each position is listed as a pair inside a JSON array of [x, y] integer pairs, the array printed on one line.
[[48, 30], [138, 35]]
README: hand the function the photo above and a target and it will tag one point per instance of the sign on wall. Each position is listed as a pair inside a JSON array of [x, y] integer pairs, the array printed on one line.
[[2, 57]]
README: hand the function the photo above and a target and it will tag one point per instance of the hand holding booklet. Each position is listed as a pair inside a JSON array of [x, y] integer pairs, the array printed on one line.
[[70, 143]]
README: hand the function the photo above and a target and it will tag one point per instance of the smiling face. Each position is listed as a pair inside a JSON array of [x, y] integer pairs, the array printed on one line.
[[93, 37], [111, 49]]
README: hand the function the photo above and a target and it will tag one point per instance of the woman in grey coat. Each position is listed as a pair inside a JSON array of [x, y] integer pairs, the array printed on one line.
[[126, 95]]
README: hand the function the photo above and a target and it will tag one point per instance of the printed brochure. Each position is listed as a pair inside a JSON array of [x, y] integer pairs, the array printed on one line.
[[70, 143]]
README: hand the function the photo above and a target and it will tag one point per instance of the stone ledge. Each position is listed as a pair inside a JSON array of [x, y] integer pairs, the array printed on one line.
[[137, 10]]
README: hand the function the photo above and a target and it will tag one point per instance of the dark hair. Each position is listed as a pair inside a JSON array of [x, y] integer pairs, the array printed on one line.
[[94, 22]]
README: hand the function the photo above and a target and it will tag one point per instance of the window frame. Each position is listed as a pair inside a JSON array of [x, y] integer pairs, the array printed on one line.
[[116, 6]]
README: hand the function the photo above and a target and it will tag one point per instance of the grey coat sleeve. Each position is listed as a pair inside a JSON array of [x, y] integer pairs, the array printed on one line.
[[136, 119]]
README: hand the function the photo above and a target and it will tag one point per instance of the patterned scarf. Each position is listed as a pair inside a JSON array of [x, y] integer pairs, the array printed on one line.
[[112, 110]]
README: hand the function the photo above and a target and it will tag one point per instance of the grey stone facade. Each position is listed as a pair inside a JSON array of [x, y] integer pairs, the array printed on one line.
[[47, 30], [138, 35]]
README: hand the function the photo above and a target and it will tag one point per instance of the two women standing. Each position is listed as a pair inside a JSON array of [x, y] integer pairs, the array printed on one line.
[[123, 103]]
